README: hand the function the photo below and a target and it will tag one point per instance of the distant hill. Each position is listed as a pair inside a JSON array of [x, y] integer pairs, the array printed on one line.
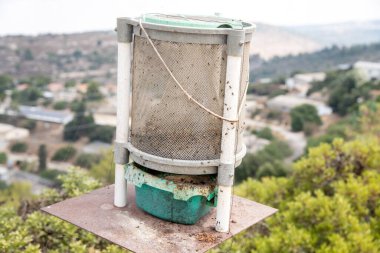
[[325, 59], [270, 41], [93, 54], [341, 34]]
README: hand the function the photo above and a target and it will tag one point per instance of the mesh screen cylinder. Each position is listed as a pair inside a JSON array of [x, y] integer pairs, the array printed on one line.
[[165, 124]]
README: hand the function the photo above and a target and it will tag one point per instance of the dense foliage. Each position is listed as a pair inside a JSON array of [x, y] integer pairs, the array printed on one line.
[[330, 202], [345, 89], [265, 133], [80, 126], [93, 92], [23, 228], [6, 83], [60, 105], [303, 116], [325, 59], [266, 162], [64, 153], [42, 156], [87, 160], [19, 147], [102, 133], [3, 157]]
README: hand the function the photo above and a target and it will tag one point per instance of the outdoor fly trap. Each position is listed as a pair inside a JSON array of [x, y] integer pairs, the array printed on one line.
[[181, 90], [180, 95]]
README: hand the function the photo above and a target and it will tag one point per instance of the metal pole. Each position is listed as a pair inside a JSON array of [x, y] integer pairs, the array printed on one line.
[[122, 114], [226, 168]]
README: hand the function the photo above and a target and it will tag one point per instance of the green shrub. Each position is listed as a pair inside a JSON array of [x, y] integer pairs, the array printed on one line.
[[64, 153], [266, 162], [3, 158], [29, 124], [51, 175], [102, 133], [60, 105], [265, 133], [303, 115], [87, 160], [19, 147]]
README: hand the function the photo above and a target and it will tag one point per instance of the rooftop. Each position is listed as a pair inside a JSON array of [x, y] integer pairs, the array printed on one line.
[[42, 114]]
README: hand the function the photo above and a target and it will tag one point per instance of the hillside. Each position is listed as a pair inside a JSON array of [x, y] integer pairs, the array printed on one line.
[[341, 34], [321, 60], [270, 41], [93, 54]]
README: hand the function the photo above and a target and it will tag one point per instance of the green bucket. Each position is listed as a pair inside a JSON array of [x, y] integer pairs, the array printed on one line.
[[176, 198]]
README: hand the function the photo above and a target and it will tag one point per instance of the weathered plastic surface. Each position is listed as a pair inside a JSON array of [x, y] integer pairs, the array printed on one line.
[[193, 21], [176, 198], [161, 204]]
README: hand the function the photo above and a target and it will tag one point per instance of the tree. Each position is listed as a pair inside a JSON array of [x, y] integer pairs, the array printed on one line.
[[80, 126], [3, 158], [266, 162], [265, 133], [87, 160], [64, 153], [93, 92], [102, 133], [303, 115], [6, 83], [19, 147], [42, 155], [60, 105], [70, 83], [329, 203], [28, 55], [23, 228], [104, 170], [28, 96]]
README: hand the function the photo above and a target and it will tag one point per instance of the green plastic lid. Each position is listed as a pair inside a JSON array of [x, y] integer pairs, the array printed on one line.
[[210, 22]]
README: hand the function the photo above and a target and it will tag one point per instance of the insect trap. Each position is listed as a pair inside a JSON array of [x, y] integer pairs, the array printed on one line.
[[181, 89]]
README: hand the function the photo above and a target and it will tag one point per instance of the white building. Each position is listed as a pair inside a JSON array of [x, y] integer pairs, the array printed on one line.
[[12, 133], [302, 82], [285, 103], [42, 114], [368, 70], [105, 119], [4, 173]]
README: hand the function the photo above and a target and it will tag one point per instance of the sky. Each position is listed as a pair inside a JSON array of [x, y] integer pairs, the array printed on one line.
[[33, 17]]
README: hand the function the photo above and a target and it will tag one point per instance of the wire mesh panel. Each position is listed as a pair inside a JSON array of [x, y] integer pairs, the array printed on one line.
[[165, 122]]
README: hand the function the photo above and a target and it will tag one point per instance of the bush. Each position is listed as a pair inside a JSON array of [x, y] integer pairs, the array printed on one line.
[[3, 185], [28, 96], [70, 83], [303, 115], [266, 162], [60, 105], [87, 160], [274, 115], [265, 133], [93, 92], [338, 130], [102, 133], [51, 175], [19, 147], [29, 124], [3, 158], [104, 170], [64, 153], [80, 126]]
